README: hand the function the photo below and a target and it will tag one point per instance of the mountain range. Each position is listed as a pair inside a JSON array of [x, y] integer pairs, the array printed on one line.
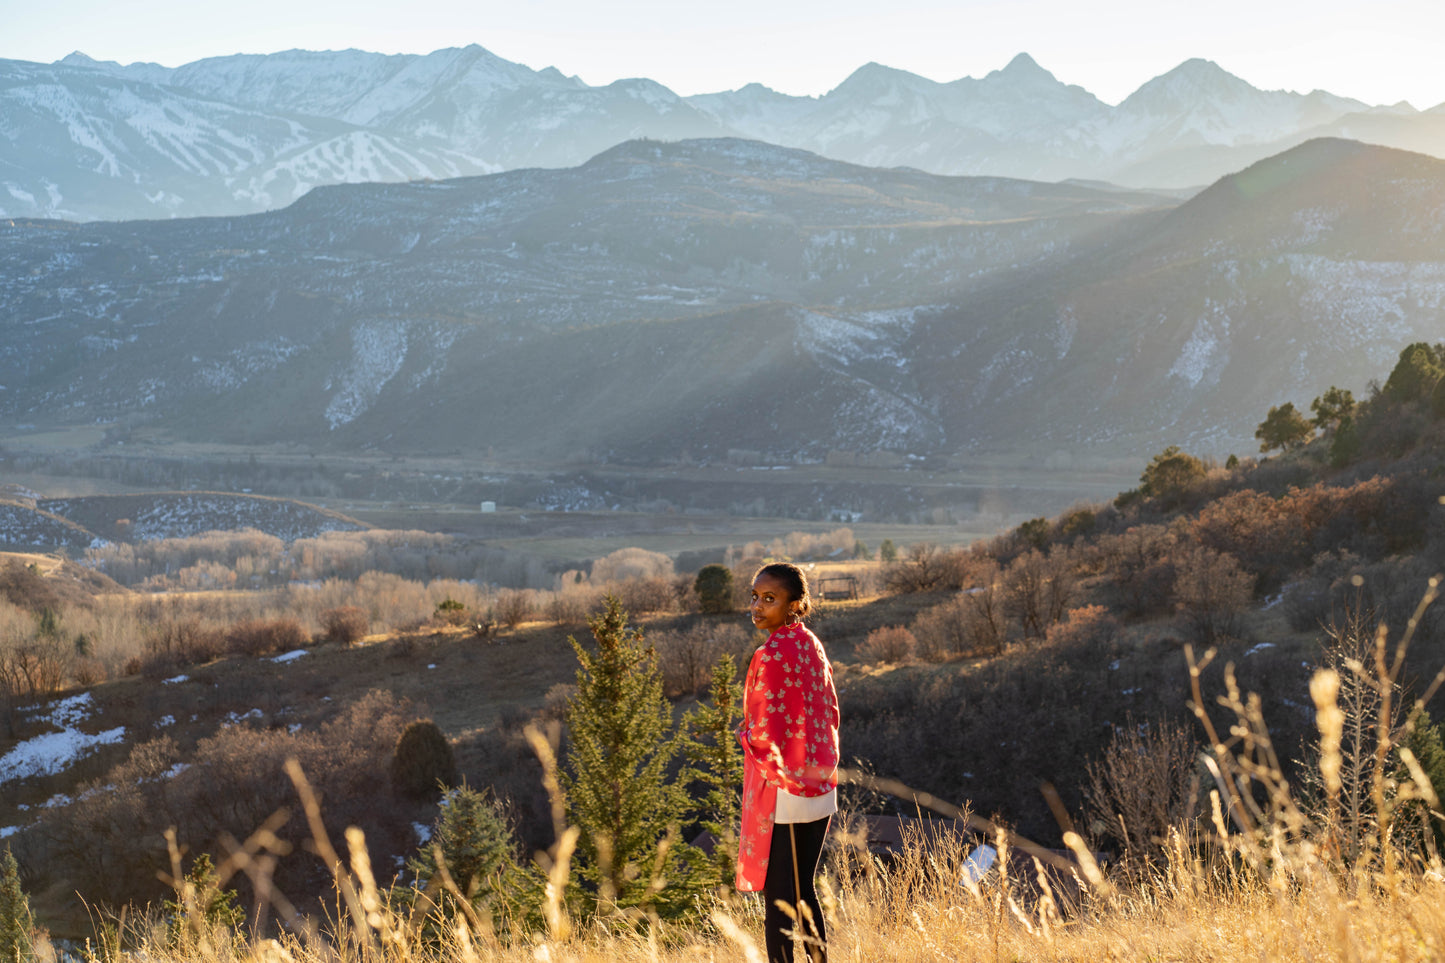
[[97, 140], [696, 298]]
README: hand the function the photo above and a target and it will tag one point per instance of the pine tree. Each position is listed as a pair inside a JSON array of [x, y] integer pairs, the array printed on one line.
[[200, 903], [618, 791], [476, 845], [715, 768], [473, 838], [15, 918]]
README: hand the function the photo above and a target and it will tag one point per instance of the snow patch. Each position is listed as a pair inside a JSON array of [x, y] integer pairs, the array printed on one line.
[[53, 752], [291, 656], [378, 351]]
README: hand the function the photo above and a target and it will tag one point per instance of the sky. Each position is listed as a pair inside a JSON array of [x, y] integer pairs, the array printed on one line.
[[1380, 52]]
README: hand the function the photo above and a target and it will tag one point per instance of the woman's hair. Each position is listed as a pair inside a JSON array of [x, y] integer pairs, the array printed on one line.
[[793, 580]]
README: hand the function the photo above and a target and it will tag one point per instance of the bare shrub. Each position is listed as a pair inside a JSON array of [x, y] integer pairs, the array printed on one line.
[[1212, 590], [513, 607], [926, 567], [256, 637], [1139, 561], [642, 595], [346, 624], [571, 604], [1037, 590], [888, 643], [686, 658], [1087, 627], [631, 563], [942, 631], [1143, 787], [176, 642]]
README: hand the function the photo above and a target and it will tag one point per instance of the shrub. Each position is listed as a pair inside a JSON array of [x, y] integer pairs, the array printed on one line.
[[451, 612], [926, 567], [256, 637], [1037, 590], [176, 642], [648, 594], [422, 763], [686, 658], [631, 563], [1142, 787], [346, 624], [942, 631], [513, 607], [1170, 475], [1078, 521], [714, 587], [1212, 590], [888, 643], [1087, 627]]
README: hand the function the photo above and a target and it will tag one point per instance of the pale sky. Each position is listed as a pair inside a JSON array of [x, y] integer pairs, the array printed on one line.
[[1381, 52]]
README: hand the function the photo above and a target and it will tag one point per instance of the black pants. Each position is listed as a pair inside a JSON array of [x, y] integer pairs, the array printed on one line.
[[794, 845]]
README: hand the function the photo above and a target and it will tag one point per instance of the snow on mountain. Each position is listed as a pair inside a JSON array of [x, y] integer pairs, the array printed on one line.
[[95, 139], [1199, 103]]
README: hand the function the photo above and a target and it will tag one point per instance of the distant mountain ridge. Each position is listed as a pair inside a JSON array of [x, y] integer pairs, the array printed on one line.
[[689, 299], [246, 133]]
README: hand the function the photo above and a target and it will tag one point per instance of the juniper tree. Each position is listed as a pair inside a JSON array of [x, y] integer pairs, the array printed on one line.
[[715, 767], [1283, 428], [619, 794], [714, 587], [15, 919]]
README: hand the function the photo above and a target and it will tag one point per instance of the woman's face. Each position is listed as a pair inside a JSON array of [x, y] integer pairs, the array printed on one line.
[[772, 606]]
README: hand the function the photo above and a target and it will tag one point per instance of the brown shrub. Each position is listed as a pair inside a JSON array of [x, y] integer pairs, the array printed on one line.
[[686, 658], [513, 607], [925, 567], [346, 624], [942, 631], [1090, 626], [1139, 562], [888, 643], [1212, 590], [176, 642], [255, 637], [1142, 787], [640, 595], [1037, 590]]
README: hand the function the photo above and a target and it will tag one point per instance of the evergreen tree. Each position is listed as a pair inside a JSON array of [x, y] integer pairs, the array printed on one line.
[[714, 587], [200, 902], [15, 918], [1170, 473], [476, 845], [1332, 407], [617, 786], [715, 767], [1283, 428], [1415, 375], [887, 551]]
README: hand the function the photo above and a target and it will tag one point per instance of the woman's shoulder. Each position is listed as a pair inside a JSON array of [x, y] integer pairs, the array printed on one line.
[[794, 638]]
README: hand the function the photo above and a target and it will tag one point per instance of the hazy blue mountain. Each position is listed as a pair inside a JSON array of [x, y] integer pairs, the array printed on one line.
[[245, 133]]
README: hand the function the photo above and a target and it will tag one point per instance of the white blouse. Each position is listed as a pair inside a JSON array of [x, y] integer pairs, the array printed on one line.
[[804, 809]]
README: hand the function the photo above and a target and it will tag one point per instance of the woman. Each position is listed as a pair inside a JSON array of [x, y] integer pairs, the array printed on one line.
[[790, 762]]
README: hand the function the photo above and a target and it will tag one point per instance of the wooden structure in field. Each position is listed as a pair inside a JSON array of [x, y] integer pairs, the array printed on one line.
[[836, 587]]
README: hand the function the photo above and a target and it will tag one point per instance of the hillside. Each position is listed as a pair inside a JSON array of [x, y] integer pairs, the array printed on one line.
[[80, 523], [686, 300]]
